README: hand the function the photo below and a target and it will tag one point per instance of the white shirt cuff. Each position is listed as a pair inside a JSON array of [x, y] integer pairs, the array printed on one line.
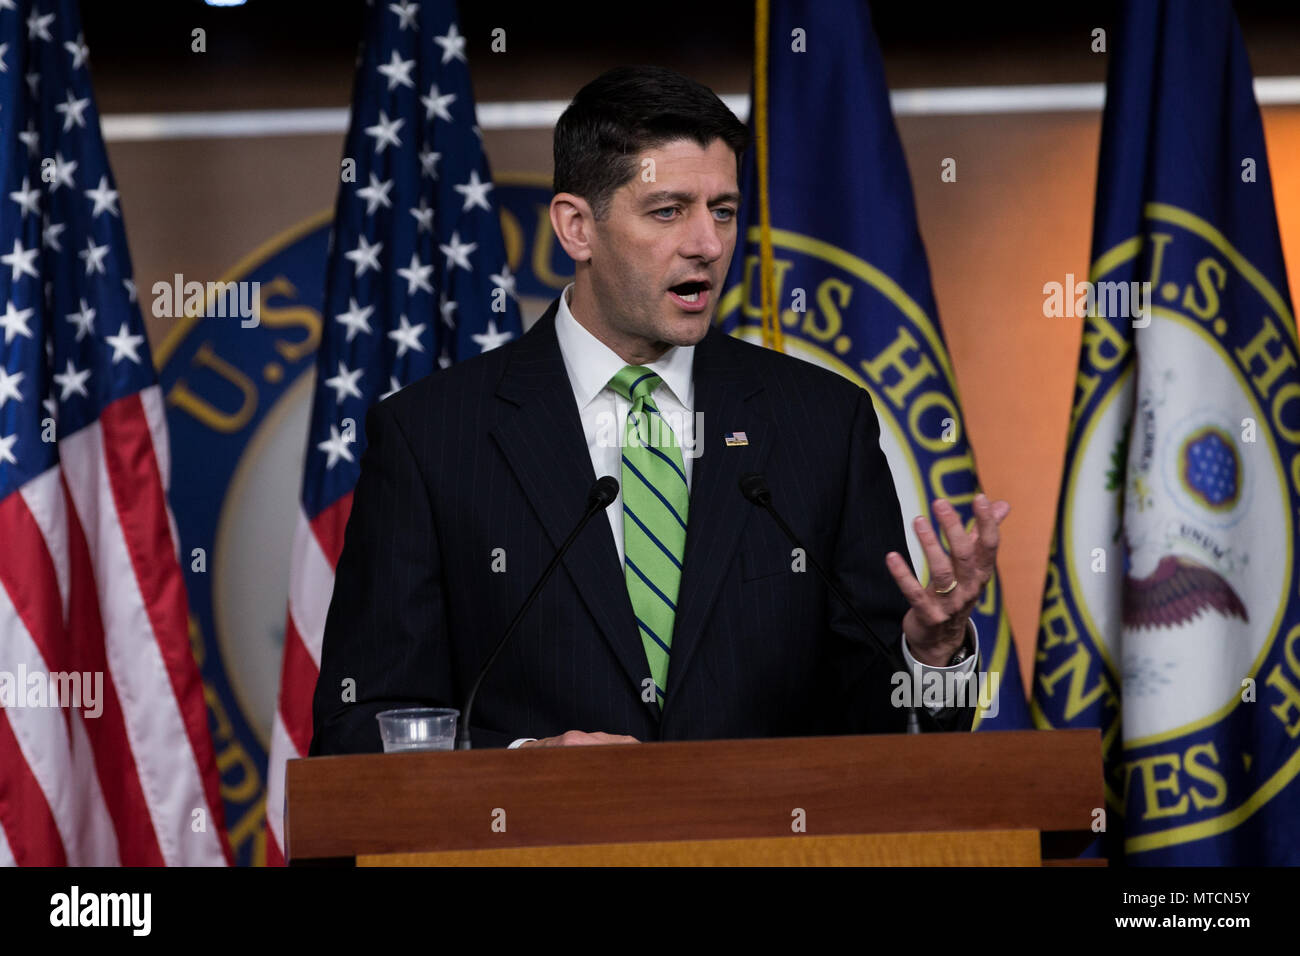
[[965, 667], [520, 741]]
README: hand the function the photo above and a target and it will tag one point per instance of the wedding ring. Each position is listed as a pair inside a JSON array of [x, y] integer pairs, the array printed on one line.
[[947, 589]]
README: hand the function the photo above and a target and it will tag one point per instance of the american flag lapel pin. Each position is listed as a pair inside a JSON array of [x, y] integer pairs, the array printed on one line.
[[736, 438]]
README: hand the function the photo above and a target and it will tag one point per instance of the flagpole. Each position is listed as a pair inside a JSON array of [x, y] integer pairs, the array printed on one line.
[[771, 321]]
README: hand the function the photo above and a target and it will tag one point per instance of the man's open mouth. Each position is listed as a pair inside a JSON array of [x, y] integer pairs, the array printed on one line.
[[692, 295]]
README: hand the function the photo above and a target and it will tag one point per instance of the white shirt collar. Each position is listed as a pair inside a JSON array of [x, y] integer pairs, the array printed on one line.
[[591, 363]]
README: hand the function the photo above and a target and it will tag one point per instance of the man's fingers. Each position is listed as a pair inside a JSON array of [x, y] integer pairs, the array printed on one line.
[[972, 559], [961, 544], [916, 595], [988, 515], [986, 528], [941, 572], [580, 738]]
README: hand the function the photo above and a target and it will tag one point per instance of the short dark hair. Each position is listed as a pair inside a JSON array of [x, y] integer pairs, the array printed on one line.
[[624, 112]]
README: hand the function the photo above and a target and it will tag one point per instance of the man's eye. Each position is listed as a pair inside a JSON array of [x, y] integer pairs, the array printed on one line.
[[665, 209], [729, 212]]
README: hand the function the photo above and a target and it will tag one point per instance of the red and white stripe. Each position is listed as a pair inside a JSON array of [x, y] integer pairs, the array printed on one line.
[[90, 582], [316, 548]]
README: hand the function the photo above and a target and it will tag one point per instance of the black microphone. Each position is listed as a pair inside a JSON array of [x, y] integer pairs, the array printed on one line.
[[599, 497], [754, 487]]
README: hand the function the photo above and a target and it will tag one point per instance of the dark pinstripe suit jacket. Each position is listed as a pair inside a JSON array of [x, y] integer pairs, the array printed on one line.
[[489, 454]]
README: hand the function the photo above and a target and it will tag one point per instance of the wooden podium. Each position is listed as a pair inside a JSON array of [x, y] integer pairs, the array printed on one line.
[[1017, 798]]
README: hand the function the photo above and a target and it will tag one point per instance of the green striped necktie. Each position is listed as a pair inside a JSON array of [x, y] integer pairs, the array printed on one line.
[[655, 498]]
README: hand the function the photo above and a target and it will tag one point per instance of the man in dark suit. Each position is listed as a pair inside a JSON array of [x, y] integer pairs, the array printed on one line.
[[684, 614]]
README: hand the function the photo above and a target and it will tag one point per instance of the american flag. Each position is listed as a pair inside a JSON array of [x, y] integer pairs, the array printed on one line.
[[417, 279], [92, 602]]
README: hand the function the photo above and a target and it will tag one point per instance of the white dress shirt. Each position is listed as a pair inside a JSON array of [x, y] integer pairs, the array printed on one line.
[[590, 364]]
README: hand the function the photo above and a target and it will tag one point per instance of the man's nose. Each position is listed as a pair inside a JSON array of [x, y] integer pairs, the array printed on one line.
[[702, 239]]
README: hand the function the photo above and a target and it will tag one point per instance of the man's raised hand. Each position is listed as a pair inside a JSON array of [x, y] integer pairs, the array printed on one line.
[[935, 625]]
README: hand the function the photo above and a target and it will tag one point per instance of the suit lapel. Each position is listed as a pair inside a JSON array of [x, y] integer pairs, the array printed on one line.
[[718, 511], [543, 442]]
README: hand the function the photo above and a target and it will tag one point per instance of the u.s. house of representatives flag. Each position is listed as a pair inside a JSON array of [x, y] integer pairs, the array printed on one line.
[[1171, 618], [105, 754], [416, 280], [850, 281]]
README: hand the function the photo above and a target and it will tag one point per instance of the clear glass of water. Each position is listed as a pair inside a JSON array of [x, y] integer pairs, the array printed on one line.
[[418, 728]]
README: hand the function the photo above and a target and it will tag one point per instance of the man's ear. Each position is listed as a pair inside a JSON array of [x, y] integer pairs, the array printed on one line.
[[574, 225]]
